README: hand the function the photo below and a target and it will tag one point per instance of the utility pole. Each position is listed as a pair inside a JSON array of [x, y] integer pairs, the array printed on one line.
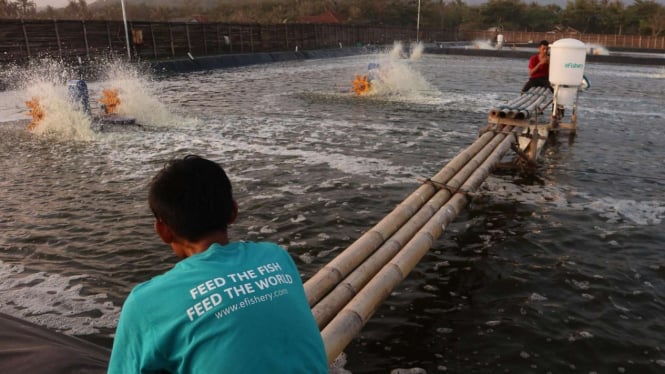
[[418, 23], [124, 19]]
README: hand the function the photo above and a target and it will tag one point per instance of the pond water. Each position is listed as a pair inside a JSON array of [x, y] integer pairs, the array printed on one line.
[[564, 272]]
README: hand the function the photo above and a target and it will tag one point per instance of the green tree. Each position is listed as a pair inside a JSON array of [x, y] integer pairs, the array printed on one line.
[[49, 12], [656, 22], [472, 20], [612, 17], [160, 13], [505, 14], [582, 15], [456, 12], [72, 10], [642, 16], [8, 9], [539, 18], [589, 16], [26, 8]]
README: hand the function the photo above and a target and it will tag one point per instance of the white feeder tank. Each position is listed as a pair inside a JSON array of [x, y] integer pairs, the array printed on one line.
[[567, 60]]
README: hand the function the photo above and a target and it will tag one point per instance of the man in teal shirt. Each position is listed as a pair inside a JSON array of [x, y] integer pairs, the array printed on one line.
[[227, 307]]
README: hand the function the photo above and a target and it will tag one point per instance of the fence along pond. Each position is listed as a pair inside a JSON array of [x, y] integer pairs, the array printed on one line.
[[22, 40]]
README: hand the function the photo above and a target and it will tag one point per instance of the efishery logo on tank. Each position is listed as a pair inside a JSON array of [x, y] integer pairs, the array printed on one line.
[[573, 65]]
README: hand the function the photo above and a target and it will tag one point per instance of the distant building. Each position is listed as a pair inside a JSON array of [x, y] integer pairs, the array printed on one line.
[[326, 17]]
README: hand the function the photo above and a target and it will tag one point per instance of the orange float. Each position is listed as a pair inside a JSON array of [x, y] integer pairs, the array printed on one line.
[[36, 112]]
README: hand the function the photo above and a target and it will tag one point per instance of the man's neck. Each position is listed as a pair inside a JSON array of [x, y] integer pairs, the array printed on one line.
[[188, 248]]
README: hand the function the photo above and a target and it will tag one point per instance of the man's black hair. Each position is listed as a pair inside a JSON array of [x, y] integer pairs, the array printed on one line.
[[544, 42], [192, 196]]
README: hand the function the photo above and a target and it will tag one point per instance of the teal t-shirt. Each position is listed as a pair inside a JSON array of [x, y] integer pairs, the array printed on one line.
[[237, 308]]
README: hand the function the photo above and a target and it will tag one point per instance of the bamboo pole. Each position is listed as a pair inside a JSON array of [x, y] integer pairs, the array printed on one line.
[[500, 110], [337, 269], [350, 320], [325, 310], [515, 108], [528, 108], [526, 112], [528, 98], [516, 101]]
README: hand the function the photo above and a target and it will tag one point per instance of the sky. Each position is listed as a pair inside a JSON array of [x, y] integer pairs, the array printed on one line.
[[53, 3]]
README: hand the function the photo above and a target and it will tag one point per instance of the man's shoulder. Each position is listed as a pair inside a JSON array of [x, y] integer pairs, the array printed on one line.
[[157, 284], [147, 286]]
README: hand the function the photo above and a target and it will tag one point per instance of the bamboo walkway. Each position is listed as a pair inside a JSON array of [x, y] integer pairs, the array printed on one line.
[[525, 107], [346, 292], [526, 112]]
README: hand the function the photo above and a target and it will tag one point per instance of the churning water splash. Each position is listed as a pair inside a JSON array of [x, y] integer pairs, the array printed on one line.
[[62, 119], [482, 44], [45, 82], [397, 52], [137, 98], [417, 50], [597, 49], [396, 79], [414, 52]]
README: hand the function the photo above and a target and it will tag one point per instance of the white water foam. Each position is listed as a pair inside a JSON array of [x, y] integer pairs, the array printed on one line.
[[367, 166], [481, 44], [416, 51], [397, 52], [399, 79], [641, 213], [54, 301], [624, 71], [597, 49], [12, 107]]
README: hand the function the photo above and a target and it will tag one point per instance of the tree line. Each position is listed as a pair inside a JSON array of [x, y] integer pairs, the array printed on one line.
[[642, 17]]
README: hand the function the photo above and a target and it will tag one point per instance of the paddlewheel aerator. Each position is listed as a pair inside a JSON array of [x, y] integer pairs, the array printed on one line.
[[361, 85]]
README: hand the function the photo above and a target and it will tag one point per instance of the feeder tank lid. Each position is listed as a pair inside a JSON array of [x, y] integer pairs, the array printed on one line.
[[568, 43]]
